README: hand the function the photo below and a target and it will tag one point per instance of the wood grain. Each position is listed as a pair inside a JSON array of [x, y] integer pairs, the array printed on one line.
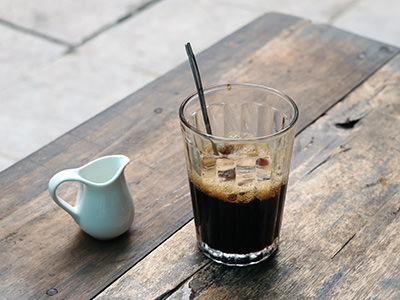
[[43, 253], [340, 230]]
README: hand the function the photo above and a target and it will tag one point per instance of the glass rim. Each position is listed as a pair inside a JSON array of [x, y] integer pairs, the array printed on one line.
[[217, 87]]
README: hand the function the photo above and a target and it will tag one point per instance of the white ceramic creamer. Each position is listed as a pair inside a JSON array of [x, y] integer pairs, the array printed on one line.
[[104, 207]]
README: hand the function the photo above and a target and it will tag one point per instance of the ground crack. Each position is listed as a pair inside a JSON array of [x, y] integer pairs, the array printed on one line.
[[36, 33], [120, 20]]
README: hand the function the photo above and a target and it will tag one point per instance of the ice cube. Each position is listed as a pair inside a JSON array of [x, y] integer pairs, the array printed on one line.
[[208, 166], [226, 175], [225, 169], [263, 169], [245, 171]]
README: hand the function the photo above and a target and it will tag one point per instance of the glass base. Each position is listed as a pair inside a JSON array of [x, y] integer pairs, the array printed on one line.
[[239, 260]]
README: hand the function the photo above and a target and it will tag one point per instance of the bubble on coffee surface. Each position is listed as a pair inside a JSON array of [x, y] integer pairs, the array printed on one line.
[[225, 149]]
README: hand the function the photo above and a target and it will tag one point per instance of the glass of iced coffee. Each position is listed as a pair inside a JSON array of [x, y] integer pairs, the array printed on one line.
[[238, 174]]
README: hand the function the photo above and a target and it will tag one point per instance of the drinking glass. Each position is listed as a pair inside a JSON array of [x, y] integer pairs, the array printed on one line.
[[238, 173]]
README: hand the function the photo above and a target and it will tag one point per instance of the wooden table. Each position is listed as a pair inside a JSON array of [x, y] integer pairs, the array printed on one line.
[[340, 235]]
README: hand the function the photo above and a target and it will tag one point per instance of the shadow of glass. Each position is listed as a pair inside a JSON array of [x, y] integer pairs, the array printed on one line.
[[258, 281]]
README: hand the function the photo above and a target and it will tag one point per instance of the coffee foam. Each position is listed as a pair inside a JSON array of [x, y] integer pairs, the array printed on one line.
[[231, 192]]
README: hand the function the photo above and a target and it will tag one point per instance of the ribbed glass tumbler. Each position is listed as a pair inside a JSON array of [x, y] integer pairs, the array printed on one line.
[[238, 174]]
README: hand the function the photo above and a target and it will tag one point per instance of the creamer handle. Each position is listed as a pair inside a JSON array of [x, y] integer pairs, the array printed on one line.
[[55, 181]]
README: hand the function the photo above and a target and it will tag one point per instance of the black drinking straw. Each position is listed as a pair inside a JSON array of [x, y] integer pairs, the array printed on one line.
[[200, 91]]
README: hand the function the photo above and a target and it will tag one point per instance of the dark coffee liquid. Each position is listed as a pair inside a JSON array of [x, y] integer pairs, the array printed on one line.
[[238, 227]]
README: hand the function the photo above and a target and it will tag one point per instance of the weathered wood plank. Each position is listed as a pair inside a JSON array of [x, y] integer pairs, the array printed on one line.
[[162, 271], [312, 69], [41, 244], [340, 231]]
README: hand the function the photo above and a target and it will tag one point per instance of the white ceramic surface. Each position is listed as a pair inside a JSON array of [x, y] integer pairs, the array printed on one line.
[[104, 207]]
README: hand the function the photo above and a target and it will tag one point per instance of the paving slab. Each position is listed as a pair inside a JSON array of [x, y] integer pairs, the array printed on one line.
[[56, 99], [154, 40], [106, 80], [317, 11], [22, 53], [66, 20], [379, 20]]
